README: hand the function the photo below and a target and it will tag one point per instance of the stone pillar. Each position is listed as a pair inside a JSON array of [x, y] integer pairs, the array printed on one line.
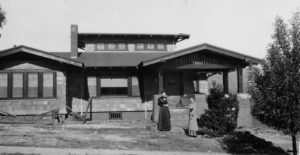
[[244, 115], [225, 81], [240, 80], [160, 81]]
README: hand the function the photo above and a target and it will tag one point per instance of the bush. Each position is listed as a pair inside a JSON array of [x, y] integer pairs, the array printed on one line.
[[221, 116]]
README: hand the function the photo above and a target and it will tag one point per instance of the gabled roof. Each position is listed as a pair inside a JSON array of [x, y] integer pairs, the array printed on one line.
[[40, 53], [112, 58], [202, 47]]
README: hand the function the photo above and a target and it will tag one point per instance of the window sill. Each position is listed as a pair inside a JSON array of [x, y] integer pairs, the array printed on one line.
[[22, 99], [116, 96]]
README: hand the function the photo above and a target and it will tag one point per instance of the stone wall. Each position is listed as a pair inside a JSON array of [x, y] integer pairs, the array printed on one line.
[[105, 104], [131, 115], [244, 116]]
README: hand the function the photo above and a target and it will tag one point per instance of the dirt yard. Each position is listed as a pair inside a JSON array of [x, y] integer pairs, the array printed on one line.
[[134, 136]]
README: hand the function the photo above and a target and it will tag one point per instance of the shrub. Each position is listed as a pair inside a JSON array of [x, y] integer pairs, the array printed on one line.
[[221, 116]]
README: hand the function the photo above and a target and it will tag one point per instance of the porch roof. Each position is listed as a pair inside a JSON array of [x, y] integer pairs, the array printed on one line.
[[200, 48], [39, 53]]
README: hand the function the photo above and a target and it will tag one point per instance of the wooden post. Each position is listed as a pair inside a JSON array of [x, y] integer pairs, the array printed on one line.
[[240, 80], [160, 81], [129, 87], [225, 81]]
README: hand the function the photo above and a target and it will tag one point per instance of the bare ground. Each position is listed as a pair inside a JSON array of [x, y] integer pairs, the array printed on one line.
[[135, 136]]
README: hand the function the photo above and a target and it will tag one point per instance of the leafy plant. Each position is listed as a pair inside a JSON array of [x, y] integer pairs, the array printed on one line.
[[221, 117], [276, 91]]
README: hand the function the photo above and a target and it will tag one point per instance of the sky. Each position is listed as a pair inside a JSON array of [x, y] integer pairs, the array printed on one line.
[[244, 26]]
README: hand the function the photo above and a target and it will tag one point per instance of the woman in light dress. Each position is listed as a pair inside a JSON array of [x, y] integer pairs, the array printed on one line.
[[192, 125]]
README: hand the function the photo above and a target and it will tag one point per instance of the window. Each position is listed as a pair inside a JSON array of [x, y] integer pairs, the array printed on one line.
[[111, 46], [114, 86], [122, 46], [3, 85], [150, 46], [140, 46], [32, 90], [161, 46], [14, 85], [48, 85], [17, 85], [135, 87], [100, 46], [92, 86]]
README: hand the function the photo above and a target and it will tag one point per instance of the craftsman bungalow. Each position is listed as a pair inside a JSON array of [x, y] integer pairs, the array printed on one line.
[[122, 72]]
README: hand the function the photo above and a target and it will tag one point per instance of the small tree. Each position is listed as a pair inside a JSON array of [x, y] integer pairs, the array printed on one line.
[[276, 91], [221, 116]]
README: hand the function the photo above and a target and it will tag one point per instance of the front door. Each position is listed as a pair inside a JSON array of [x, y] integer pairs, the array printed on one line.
[[172, 83]]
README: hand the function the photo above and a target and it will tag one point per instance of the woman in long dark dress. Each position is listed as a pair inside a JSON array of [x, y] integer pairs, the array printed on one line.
[[164, 123]]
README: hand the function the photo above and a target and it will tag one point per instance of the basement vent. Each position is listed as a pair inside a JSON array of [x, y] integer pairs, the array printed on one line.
[[115, 116]]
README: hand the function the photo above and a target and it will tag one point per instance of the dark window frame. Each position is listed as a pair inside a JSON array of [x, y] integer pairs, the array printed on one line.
[[116, 46], [54, 94], [129, 87], [137, 49], [7, 88], [25, 85], [164, 45], [149, 49], [100, 88]]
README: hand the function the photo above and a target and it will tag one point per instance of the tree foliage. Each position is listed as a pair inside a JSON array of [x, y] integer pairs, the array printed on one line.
[[221, 116], [2, 18], [276, 91]]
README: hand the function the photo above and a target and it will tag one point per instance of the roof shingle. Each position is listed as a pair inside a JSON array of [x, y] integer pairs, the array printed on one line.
[[113, 59]]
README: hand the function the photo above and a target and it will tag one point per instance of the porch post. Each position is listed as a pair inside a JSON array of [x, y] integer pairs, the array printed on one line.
[[160, 81], [240, 79], [225, 81]]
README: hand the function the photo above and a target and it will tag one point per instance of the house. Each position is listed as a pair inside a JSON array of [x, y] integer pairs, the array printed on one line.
[[122, 72]]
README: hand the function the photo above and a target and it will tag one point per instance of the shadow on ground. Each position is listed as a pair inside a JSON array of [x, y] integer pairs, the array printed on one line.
[[246, 143]]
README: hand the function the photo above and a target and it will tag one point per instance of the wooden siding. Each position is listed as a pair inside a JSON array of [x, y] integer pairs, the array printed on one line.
[[150, 84], [202, 58]]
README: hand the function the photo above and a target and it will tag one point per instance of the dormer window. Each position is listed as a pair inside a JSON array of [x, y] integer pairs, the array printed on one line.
[[151, 46], [140, 46], [100, 46], [161, 46], [111, 46], [122, 46]]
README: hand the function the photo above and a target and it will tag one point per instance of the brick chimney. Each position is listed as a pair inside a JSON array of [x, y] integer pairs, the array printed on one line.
[[74, 41]]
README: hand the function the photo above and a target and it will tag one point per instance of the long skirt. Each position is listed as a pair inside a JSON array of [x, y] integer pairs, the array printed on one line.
[[193, 126], [164, 123]]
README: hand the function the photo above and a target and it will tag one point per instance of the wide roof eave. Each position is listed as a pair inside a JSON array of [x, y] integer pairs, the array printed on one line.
[[41, 53], [200, 47]]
